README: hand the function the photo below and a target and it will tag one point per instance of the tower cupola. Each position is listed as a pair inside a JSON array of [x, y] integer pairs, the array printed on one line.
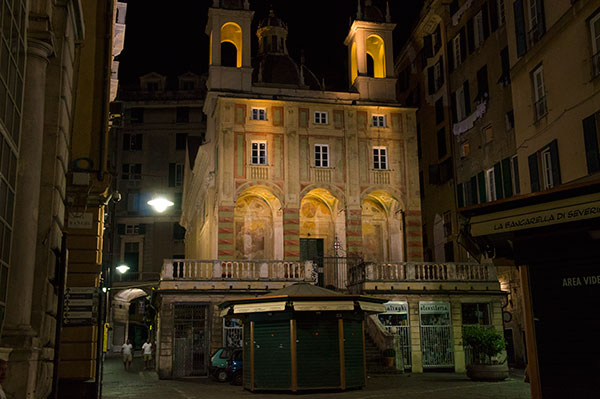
[[272, 35]]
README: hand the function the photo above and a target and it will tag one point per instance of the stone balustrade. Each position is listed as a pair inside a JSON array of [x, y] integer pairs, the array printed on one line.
[[421, 272], [236, 270]]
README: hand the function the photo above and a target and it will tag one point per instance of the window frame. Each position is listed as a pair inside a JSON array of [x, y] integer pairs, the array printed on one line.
[[132, 229], [465, 149], [461, 106], [323, 160], [501, 12], [258, 114], [490, 185], [478, 34], [378, 120], [261, 159], [456, 51], [514, 173], [381, 153], [179, 174], [595, 35], [321, 117], [547, 175], [539, 92]]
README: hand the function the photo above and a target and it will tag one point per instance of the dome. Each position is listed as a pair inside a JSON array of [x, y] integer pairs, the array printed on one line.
[[281, 69], [272, 20], [372, 13]]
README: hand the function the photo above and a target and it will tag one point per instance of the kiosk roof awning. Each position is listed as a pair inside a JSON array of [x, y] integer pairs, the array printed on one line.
[[323, 305], [259, 307]]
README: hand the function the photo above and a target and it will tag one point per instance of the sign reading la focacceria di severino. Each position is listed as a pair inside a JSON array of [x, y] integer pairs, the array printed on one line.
[[562, 211]]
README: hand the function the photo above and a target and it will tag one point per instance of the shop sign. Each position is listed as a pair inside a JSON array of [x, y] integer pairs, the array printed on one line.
[[80, 220], [434, 307], [528, 217], [580, 281], [396, 307]]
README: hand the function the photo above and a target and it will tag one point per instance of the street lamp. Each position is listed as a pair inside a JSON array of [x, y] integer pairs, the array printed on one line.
[[122, 268], [160, 204]]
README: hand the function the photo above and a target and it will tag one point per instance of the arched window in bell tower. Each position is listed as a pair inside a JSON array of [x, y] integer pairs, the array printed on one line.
[[231, 45], [353, 63], [370, 66], [376, 51]]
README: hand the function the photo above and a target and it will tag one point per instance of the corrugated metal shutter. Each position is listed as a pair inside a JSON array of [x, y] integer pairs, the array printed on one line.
[[318, 353], [272, 355], [246, 361], [353, 353]]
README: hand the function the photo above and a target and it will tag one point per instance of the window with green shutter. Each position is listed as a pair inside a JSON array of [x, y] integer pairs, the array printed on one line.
[[590, 138]]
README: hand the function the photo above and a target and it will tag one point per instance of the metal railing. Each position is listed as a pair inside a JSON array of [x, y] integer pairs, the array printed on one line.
[[274, 270], [420, 271], [540, 109]]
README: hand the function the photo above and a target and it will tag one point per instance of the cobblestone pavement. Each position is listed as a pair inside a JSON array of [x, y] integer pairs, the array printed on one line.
[[138, 383]]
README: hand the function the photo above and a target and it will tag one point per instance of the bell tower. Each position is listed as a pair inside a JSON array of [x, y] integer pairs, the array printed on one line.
[[370, 53], [228, 27]]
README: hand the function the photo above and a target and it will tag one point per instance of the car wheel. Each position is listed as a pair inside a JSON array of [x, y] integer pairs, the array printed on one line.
[[221, 375], [238, 378]]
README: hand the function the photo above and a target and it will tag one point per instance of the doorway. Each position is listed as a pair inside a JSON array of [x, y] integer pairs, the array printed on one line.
[[312, 249], [190, 345]]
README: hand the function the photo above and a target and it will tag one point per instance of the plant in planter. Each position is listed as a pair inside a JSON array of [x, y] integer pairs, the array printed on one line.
[[486, 343], [388, 357]]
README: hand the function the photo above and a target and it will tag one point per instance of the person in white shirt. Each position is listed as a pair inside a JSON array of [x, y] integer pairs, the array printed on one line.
[[147, 350], [127, 352]]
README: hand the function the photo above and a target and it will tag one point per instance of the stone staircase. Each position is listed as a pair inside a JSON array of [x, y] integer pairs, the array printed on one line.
[[374, 359]]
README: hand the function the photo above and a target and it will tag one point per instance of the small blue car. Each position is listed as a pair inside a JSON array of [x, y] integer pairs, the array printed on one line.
[[218, 362], [235, 367]]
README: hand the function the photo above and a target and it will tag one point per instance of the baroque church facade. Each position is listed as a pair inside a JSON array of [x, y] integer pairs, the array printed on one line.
[[289, 175]]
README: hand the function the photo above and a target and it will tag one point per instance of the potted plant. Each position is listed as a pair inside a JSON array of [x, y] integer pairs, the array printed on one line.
[[486, 343], [388, 357]]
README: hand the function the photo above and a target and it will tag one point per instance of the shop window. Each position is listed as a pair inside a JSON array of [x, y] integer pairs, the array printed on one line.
[[476, 314]]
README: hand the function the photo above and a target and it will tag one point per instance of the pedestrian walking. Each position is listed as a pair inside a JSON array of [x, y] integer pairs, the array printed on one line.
[[147, 350], [127, 352]]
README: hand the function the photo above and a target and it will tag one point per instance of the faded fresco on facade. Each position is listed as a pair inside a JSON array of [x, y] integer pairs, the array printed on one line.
[[253, 229], [374, 231]]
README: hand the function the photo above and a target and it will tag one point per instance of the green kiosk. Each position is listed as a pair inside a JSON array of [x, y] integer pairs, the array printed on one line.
[[303, 337]]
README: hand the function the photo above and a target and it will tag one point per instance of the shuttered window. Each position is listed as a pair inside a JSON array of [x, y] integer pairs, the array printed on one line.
[[520, 33], [590, 137]]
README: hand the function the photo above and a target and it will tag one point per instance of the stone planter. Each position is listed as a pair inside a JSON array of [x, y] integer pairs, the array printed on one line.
[[487, 372]]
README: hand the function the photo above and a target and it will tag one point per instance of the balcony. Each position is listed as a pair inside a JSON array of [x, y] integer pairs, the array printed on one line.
[[230, 274], [376, 276], [320, 175], [380, 177], [258, 172], [539, 109], [596, 65]]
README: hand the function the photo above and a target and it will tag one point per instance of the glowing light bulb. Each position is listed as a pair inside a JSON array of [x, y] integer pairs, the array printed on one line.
[[122, 268], [160, 204]]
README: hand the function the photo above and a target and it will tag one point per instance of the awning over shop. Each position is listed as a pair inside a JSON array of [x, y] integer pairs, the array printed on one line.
[[372, 307], [259, 307], [323, 305]]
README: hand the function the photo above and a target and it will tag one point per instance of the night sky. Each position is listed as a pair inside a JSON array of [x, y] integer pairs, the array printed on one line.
[[168, 37]]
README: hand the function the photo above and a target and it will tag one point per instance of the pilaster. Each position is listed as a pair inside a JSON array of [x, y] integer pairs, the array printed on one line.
[[291, 234], [226, 246], [354, 232], [414, 236]]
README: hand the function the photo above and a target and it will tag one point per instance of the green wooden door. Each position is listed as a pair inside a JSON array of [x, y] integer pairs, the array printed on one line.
[[272, 355], [354, 354], [318, 353]]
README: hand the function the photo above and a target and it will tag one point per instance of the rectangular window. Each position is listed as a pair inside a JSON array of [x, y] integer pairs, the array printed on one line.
[[490, 183], [178, 174], [378, 121], [321, 155], [501, 13], [259, 153], [132, 142], [510, 120], [320, 118], [547, 175], [476, 314], [439, 110], [461, 112], [478, 29], [514, 171], [536, 21], [447, 224], [258, 114], [456, 51], [178, 232], [182, 114], [505, 63], [482, 84], [520, 30], [539, 93], [465, 149], [595, 32], [132, 229], [487, 135], [590, 139], [441, 143], [152, 86], [133, 202], [380, 158], [132, 171]]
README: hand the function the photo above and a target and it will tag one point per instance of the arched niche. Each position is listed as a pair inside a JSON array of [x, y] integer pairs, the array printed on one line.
[[353, 63], [231, 34], [382, 235], [376, 49]]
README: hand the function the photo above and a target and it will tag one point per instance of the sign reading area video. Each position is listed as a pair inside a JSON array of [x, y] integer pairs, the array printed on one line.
[[580, 281]]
